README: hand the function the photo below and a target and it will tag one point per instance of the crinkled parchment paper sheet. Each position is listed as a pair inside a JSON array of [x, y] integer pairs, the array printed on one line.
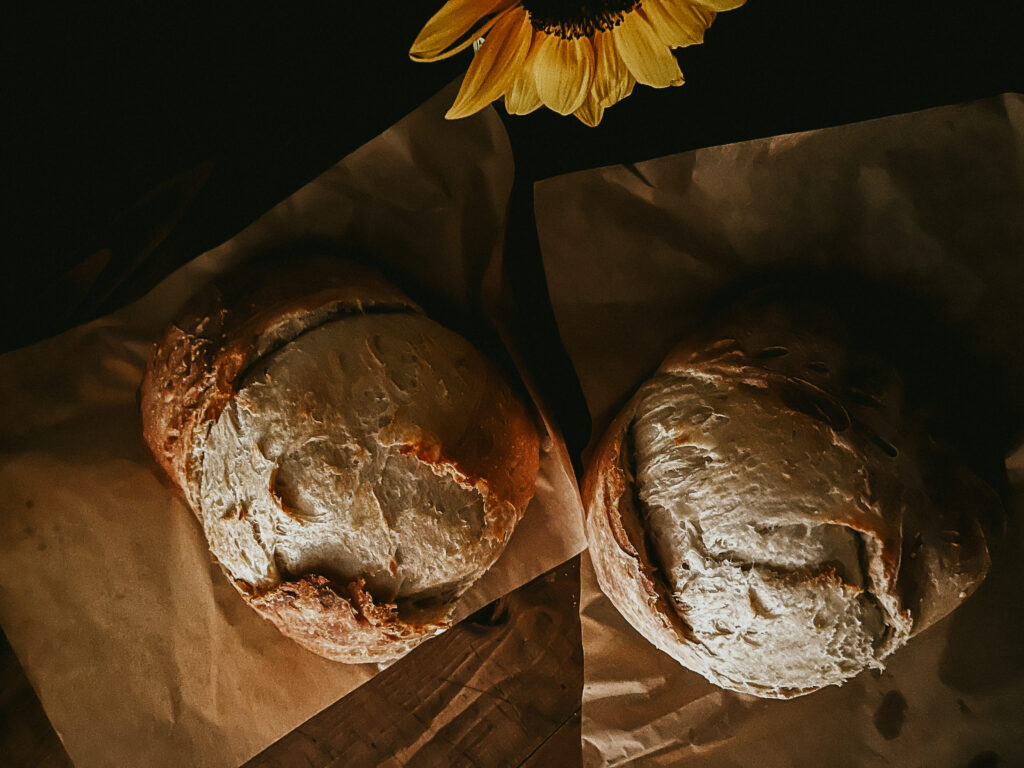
[[933, 200], [138, 647]]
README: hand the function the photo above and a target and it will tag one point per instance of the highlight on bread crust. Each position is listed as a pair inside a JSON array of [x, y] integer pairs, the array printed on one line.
[[769, 510], [356, 467]]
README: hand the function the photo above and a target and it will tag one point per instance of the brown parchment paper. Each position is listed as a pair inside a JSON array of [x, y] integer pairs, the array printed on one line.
[[139, 649], [932, 201]]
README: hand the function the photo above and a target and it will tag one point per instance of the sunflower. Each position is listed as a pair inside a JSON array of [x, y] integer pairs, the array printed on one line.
[[573, 56]]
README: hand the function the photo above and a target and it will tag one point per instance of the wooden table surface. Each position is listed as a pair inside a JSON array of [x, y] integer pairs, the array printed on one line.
[[501, 688]]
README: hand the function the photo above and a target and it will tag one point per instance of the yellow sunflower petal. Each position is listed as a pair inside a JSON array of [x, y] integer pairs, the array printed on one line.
[[563, 71], [678, 24], [495, 65], [612, 80], [455, 27], [591, 112], [720, 5], [522, 97], [645, 55]]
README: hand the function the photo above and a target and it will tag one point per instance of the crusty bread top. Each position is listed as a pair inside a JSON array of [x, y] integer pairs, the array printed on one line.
[[356, 467], [739, 501], [318, 464], [768, 511], [196, 366]]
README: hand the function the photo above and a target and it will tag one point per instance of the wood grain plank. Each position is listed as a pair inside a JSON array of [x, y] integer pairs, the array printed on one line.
[[562, 748], [499, 689]]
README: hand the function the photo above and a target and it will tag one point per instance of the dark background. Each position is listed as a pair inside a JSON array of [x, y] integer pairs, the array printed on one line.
[[138, 139]]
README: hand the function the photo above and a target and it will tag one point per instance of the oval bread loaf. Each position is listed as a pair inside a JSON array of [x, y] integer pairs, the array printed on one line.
[[355, 466], [770, 510]]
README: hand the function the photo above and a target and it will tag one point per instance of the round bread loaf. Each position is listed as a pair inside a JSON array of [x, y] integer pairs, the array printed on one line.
[[770, 509], [355, 466]]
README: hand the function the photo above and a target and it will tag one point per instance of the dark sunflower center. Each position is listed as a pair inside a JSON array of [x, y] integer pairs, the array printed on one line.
[[570, 19]]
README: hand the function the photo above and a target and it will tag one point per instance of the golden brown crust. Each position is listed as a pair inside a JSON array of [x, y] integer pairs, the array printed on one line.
[[339, 623], [199, 362]]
